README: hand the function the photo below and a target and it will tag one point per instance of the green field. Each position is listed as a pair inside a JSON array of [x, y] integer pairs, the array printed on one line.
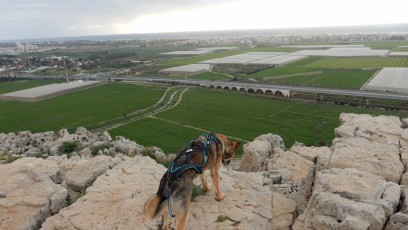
[[78, 108], [400, 49], [240, 116], [385, 45], [329, 78], [359, 62], [11, 86]]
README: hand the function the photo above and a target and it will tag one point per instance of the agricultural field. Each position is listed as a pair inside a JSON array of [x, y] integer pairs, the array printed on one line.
[[11, 86], [359, 62], [197, 59], [329, 78], [78, 108], [385, 45], [212, 76], [240, 116]]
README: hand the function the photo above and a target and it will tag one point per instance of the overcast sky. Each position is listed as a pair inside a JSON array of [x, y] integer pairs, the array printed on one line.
[[25, 19]]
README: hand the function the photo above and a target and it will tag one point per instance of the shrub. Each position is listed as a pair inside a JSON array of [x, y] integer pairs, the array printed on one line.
[[11, 159], [197, 191], [68, 147], [39, 155], [95, 149], [222, 218], [149, 152]]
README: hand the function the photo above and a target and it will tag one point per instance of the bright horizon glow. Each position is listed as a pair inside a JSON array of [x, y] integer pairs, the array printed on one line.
[[25, 19], [247, 14]]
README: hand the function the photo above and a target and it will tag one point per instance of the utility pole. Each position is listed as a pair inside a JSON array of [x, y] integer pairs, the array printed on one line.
[[65, 67]]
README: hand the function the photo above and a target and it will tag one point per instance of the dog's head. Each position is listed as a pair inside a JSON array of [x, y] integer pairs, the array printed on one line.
[[228, 148]]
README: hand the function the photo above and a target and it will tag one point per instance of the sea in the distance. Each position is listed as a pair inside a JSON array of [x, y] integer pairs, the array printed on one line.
[[389, 28]]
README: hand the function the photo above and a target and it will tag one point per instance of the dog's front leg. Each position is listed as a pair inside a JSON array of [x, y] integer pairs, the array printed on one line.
[[219, 196], [204, 182]]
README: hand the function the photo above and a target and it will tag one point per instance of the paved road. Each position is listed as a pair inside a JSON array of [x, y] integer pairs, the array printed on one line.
[[344, 92], [303, 89]]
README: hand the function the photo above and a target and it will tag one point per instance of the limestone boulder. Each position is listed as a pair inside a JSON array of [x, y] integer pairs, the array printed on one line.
[[29, 196], [295, 170], [274, 140], [351, 199], [83, 135], [83, 174], [400, 219], [46, 167], [404, 139], [126, 146], [310, 153], [404, 158], [405, 123], [255, 156], [380, 129], [284, 211], [360, 153], [105, 137]]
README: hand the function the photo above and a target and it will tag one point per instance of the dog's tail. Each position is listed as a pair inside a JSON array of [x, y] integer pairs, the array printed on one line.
[[152, 206]]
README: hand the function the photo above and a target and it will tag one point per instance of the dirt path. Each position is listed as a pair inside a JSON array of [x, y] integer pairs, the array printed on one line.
[[293, 75], [143, 115]]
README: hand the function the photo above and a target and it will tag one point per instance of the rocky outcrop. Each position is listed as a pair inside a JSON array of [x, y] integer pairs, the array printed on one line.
[[377, 158], [117, 197], [26, 144], [355, 184], [29, 194], [345, 197], [257, 152], [358, 183]]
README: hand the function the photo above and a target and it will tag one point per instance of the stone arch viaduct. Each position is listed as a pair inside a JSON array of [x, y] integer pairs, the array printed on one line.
[[252, 89]]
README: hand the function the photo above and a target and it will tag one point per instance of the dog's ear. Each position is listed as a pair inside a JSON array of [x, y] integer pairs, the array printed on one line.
[[235, 145]]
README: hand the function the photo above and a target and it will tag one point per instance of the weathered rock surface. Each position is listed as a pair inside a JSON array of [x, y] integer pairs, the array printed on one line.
[[116, 200], [85, 173], [377, 158], [310, 153], [256, 153], [284, 211], [255, 156], [295, 170], [26, 143], [343, 198], [380, 129], [30, 196]]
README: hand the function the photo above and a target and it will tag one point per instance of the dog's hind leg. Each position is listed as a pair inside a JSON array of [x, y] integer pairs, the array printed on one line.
[[182, 220], [219, 196], [204, 182]]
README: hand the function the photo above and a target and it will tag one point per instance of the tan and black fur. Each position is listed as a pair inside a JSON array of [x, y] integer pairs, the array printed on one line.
[[182, 187]]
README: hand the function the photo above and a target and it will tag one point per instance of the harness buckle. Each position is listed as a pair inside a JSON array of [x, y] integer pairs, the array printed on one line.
[[172, 223]]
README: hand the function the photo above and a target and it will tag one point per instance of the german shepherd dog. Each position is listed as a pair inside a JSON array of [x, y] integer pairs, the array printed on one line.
[[179, 189]]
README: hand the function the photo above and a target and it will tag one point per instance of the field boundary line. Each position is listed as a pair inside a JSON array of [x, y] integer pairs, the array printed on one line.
[[193, 127]]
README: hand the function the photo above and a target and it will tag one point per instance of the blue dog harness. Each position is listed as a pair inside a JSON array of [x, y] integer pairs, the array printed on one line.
[[183, 162], [177, 171]]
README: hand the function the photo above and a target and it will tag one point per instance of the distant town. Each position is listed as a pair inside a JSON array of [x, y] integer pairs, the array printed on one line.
[[53, 57]]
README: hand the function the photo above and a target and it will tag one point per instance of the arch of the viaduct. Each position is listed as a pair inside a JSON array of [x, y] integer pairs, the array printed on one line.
[[251, 90]]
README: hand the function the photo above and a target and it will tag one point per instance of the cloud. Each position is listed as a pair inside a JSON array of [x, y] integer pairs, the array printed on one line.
[[50, 18]]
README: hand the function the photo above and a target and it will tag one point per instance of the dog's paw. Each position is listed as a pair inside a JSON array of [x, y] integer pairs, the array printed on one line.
[[220, 197], [207, 188]]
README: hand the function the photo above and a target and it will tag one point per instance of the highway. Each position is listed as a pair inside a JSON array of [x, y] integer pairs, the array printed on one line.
[[230, 84], [303, 89]]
